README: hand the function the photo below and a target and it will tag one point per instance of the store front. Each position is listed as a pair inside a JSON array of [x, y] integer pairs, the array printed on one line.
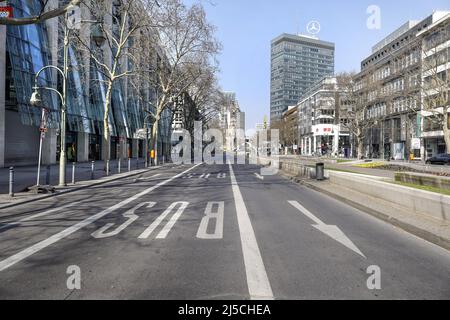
[[115, 145], [130, 148], [95, 147], [71, 146], [434, 146], [141, 149]]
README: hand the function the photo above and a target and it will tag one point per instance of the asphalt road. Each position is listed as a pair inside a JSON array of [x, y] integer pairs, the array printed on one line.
[[210, 232]]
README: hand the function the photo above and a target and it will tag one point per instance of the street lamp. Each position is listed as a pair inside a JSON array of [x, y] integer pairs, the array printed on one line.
[[97, 33], [63, 96], [36, 101]]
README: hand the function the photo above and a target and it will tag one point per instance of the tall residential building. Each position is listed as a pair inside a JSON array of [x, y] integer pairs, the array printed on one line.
[[297, 63]]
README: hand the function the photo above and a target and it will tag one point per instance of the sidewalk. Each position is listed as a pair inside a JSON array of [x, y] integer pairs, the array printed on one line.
[[26, 176], [430, 229], [25, 197]]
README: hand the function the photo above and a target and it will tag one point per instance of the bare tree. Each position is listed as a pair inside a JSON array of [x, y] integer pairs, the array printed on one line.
[[207, 96], [360, 91], [435, 85], [427, 80], [118, 24], [180, 54], [44, 13]]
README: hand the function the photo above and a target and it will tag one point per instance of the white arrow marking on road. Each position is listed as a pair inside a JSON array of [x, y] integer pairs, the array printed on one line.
[[260, 177], [331, 231]]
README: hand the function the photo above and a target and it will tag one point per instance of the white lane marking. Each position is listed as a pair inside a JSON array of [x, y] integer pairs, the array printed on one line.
[[132, 217], [169, 225], [332, 231], [39, 215], [205, 176], [8, 262], [257, 280], [260, 177], [210, 214]]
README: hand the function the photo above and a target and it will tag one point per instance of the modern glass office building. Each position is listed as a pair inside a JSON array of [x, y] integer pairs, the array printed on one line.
[[24, 50], [297, 63]]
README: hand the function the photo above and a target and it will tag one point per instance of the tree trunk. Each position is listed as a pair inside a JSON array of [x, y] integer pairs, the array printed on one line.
[[360, 149], [155, 136], [360, 142], [446, 131], [106, 132]]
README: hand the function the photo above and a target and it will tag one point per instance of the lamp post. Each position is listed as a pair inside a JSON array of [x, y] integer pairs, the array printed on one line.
[[37, 101], [146, 128], [97, 33], [63, 96], [99, 38]]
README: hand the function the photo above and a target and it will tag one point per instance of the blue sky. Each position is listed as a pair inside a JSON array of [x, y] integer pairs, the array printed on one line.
[[246, 27]]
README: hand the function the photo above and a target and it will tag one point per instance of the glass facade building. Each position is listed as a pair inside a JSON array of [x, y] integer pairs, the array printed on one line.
[[297, 63], [28, 49]]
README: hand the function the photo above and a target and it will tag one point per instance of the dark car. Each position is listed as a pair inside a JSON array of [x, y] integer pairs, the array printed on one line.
[[440, 159]]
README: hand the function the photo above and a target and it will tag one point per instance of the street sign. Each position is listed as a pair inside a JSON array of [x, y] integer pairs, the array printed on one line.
[[6, 12]]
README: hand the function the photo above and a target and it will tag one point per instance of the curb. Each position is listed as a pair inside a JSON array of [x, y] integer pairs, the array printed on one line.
[[423, 234], [59, 193]]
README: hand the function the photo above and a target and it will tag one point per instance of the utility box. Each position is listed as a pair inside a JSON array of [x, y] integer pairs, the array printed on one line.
[[320, 171]]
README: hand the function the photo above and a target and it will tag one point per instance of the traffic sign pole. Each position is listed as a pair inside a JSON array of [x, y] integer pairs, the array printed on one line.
[[42, 130]]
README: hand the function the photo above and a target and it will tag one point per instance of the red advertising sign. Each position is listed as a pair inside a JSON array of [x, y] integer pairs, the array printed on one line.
[[6, 12]]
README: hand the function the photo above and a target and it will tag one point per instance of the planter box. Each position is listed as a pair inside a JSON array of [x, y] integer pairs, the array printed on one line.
[[423, 180]]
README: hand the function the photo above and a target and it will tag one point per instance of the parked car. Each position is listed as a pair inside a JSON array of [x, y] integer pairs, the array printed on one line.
[[443, 159]]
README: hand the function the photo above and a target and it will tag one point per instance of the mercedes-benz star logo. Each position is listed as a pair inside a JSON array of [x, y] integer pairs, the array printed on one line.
[[313, 27]]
